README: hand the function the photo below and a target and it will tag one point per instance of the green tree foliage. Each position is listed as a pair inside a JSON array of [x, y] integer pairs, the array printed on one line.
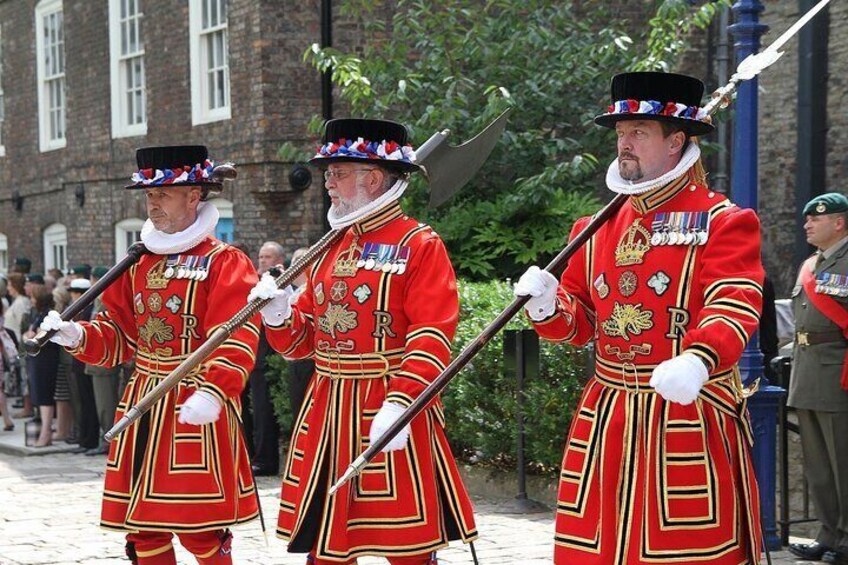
[[433, 64]]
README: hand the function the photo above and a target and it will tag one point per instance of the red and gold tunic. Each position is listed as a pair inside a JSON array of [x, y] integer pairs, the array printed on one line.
[[162, 475], [378, 315], [645, 480]]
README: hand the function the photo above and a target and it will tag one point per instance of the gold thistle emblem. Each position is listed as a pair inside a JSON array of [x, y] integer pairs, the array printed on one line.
[[627, 319], [156, 279], [337, 317], [155, 329], [633, 245]]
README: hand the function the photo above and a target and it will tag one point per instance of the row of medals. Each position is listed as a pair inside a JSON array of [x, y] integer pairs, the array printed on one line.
[[183, 272], [832, 285], [689, 237], [680, 228], [383, 257]]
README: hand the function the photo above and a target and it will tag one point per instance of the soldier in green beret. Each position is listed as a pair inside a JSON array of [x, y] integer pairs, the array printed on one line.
[[818, 389]]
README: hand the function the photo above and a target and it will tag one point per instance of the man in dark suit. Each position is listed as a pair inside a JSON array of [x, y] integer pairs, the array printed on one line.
[[818, 389]]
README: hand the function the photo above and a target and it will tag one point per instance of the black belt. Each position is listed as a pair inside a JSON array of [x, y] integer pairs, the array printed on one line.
[[815, 338]]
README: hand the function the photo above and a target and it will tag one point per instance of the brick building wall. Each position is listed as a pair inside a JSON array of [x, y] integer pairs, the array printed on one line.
[[273, 96]]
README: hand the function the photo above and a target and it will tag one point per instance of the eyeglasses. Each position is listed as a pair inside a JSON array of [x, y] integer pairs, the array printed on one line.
[[341, 174]]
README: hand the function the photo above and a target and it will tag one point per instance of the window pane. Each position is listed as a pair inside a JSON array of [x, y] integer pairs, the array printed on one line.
[[123, 9], [223, 11], [204, 8]]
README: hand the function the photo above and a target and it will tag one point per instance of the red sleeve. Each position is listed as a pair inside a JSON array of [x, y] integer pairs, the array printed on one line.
[[431, 307], [294, 339], [227, 370], [574, 318], [110, 339], [732, 278]]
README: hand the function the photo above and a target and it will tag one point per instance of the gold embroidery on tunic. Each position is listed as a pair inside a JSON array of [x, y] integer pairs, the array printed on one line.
[[156, 277], [627, 319], [337, 317], [155, 329], [345, 265], [633, 245], [154, 301]]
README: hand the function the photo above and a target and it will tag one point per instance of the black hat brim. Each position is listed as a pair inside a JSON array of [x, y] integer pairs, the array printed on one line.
[[691, 127]]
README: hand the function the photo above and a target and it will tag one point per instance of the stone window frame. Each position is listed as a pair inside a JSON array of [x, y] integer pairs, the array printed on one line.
[[208, 25], [127, 62], [225, 211], [52, 94], [127, 232], [55, 239]]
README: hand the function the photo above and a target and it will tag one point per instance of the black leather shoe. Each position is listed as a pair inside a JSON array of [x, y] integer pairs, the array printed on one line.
[[259, 471], [837, 557], [810, 551]]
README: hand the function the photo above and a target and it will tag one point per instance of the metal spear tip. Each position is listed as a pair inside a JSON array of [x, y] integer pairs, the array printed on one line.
[[351, 471]]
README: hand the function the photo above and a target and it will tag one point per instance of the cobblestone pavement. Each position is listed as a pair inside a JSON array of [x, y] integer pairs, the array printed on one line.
[[49, 510]]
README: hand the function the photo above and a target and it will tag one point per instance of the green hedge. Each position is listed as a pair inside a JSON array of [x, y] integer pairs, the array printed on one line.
[[480, 402]]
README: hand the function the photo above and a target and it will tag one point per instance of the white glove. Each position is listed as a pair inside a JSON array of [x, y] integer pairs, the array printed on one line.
[[200, 408], [68, 334], [276, 312], [388, 415], [541, 286], [680, 378]]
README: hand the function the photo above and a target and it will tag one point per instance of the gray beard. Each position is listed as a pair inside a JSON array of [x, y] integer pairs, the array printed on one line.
[[343, 209], [635, 174]]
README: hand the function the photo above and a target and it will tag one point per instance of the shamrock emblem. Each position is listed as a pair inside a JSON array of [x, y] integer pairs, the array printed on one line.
[[659, 282]]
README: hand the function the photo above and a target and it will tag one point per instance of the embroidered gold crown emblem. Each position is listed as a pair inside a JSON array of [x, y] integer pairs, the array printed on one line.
[[345, 265], [633, 245], [156, 279]]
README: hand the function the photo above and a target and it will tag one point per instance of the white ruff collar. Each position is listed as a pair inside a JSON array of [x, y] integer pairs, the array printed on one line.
[[620, 186], [163, 243], [395, 192]]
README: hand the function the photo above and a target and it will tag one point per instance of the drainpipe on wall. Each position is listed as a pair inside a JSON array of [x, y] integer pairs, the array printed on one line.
[[723, 56], [810, 177]]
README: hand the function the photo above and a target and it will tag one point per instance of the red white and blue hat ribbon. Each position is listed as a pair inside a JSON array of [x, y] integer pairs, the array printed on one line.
[[655, 108], [364, 149], [200, 174]]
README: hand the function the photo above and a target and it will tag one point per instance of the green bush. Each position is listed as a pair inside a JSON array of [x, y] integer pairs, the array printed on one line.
[[480, 403]]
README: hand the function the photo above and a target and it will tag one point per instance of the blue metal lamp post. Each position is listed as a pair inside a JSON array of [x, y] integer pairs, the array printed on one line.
[[764, 404]]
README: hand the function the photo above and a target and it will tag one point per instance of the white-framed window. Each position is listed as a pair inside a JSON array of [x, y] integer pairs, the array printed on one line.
[[50, 53], [4, 253], [225, 230], [56, 248], [127, 232], [2, 99], [210, 69], [126, 48]]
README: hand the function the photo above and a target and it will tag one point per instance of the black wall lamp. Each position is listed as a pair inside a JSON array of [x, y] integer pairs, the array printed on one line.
[[17, 200], [300, 177], [79, 194]]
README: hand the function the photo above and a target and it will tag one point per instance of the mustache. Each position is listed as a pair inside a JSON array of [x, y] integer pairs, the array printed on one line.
[[627, 156]]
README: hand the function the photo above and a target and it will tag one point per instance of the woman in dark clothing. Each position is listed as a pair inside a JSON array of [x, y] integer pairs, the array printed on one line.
[[42, 368]]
